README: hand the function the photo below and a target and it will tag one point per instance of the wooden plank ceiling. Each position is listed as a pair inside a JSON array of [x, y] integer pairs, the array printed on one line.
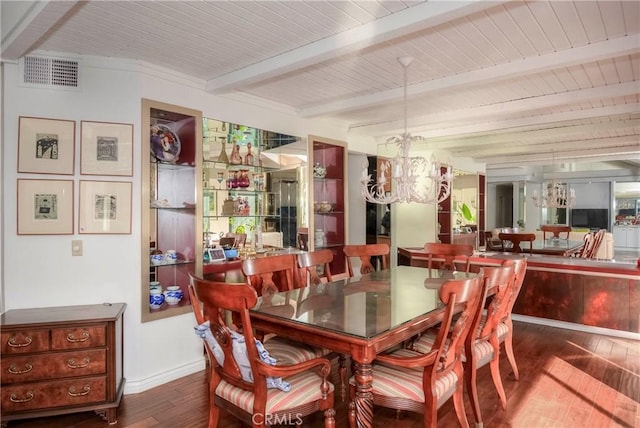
[[510, 84]]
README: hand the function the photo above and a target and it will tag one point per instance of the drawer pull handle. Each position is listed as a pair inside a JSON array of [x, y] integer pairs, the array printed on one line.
[[72, 364], [85, 336], [13, 344], [85, 391], [14, 397], [13, 369]]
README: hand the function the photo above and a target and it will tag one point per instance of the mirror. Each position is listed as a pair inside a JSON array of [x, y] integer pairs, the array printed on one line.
[[253, 179], [464, 208]]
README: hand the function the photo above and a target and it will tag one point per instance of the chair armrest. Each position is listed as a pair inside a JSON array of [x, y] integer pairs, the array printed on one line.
[[420, 360], [267, 370]]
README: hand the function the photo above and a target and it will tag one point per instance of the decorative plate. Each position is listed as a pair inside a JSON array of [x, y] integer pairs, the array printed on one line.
[[165, 144]]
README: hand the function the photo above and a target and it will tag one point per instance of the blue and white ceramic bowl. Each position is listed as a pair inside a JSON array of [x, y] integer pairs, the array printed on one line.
[[157, 259], [156, 300], [173, 295]]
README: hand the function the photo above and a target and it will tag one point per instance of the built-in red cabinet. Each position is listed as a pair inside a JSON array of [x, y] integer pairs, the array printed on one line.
[[328, 199], [172, 140]]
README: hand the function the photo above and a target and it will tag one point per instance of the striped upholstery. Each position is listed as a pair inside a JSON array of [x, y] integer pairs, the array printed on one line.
[[503, 330], [483, 350], [392, 381], [288, 352], [305, 388]]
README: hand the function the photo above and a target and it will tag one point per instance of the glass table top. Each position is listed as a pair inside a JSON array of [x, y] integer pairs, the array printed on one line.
[[362, 306]]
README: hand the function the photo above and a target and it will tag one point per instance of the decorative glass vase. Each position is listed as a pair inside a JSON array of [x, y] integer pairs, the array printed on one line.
[[243, 180], [222, 157]]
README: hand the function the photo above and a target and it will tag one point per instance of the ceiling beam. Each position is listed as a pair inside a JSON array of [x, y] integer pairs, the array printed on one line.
[[566, 58], [33, 20], [415, 18], [436, 120], [559, 132]]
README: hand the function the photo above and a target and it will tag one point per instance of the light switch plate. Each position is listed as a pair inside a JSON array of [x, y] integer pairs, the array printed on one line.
[[76, 247]]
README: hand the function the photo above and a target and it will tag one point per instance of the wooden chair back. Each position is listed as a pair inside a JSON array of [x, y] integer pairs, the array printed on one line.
[[554, 231], [212, 302], [482, 345], [270, 274], [592, 242], [492, 243], [449, 253], [314, 266], [364, 253], [239, 239], [303, 238], [516, 239], [226, 307]]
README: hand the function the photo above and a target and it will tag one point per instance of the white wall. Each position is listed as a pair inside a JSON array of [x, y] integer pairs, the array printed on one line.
[[39, 271]]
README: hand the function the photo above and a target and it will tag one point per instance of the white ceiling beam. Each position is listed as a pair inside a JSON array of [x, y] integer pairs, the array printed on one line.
[[434, 135], [578, 155], [550, 151], [562, 129], [415, 18], [566, 58], [499, 110], [32, 21]]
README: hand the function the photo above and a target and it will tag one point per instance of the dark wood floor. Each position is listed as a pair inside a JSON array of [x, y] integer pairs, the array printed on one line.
[[568, 379]]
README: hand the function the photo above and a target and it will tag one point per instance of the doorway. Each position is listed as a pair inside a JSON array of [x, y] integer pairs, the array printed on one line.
[[504, 205]]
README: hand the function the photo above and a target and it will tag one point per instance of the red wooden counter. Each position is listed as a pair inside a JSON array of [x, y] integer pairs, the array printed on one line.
[[590, 292]]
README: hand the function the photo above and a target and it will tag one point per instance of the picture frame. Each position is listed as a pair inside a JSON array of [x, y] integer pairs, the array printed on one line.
[[45, 207], [105, 207], [46, 146], [106, 148]]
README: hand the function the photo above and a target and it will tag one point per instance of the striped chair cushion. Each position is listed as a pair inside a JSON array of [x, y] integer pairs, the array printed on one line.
[[503, 330], [483, 350], [288, 352], [425, 342], [391, 381], [305, 388]]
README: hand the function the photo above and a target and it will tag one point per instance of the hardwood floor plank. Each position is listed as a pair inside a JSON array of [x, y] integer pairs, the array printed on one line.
[[568, 379]]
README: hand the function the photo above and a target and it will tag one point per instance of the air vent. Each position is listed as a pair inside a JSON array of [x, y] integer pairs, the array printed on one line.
[[40, 71]]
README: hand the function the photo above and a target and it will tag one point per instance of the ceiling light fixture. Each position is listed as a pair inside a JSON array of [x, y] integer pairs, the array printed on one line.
[[554, 194], [409, 178]]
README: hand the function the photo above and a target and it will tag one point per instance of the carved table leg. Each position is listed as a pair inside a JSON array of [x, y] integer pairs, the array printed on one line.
[[364, 397]]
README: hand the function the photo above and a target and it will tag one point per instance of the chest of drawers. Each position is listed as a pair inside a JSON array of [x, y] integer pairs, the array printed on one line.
[[62, 360]]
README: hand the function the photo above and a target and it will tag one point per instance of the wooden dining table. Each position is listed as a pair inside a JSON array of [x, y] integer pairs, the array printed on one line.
[[360, 316], [554, 247]]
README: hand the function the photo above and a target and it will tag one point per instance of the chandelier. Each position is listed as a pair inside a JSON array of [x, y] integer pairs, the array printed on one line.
[[409, 178], [554, 194]]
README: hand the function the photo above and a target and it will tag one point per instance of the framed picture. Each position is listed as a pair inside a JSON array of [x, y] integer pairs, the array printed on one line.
[[45, 207], [46, 146], [106, 148], [105, 207]]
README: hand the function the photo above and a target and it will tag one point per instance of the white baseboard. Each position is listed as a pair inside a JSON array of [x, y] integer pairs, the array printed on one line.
[[137, 386], [577, 327]]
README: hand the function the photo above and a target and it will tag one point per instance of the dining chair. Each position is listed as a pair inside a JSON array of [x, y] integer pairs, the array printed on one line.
[[314, 266], [248, 379], [449, 254], [239, 239], [492, 243], [309, 263], [364, 253], [303, 238], [270, 274], [555, 230], [409, 380], [482, 345], [592, 242], [516, 239], [505, 326]]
